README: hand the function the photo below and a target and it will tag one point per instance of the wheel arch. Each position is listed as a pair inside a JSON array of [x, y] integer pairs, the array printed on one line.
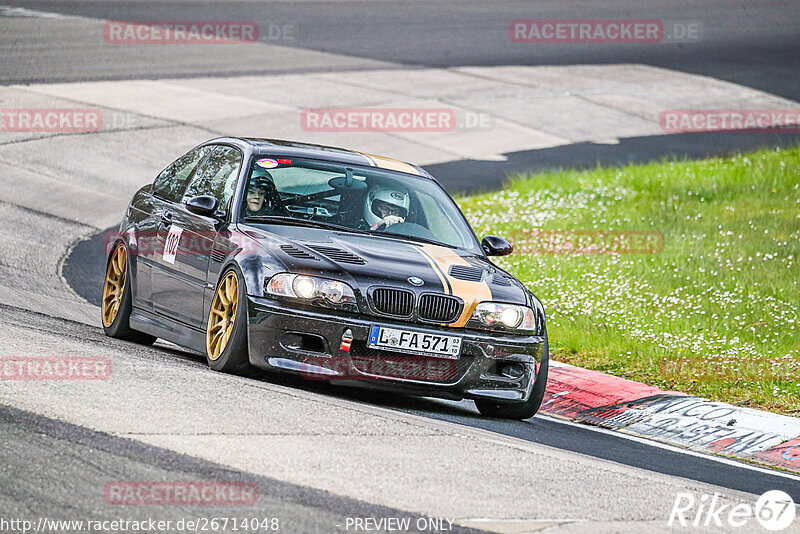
[[129, 237]]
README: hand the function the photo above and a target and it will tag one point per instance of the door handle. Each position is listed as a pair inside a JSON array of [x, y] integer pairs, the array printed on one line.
[[166, 218]]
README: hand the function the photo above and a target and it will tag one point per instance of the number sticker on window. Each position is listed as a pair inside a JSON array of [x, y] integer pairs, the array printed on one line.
[[171, 245]]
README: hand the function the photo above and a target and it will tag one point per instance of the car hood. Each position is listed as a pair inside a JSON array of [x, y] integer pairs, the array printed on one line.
[[366, 261]]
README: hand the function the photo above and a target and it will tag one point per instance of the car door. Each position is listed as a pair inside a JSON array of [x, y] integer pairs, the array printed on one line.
[[167, 191], [178, 286]]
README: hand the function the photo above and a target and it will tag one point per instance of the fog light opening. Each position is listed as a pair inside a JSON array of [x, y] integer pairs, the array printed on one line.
[[304, 342], [511, 369]]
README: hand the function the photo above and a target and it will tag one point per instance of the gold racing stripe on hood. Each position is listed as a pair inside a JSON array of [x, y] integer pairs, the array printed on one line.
[[435, 267], [369, 158], [391, 164], [472, 293]]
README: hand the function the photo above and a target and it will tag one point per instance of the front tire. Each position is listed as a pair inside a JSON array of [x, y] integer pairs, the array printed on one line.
[[115, 307], [226, 330], [519, 410]]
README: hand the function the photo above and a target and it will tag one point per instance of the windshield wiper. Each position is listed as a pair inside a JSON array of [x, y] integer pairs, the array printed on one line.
[[278, 219]]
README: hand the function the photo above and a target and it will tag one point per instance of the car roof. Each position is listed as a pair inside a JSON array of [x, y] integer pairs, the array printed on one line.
[[298, 149]]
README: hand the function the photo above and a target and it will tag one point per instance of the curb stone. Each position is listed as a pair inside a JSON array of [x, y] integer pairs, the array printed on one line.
[[595, 398]]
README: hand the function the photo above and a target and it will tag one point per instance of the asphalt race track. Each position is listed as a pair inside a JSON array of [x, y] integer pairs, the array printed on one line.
[[321, 455], [754, 45]]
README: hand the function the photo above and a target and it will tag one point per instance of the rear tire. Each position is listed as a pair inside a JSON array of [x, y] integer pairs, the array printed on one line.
[[115, 307], [226, 329], [520, 410]]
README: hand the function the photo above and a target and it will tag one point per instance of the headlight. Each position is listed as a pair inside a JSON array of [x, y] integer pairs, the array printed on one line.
[[333, 290], [304, 287], [319, 291], [504, 316]]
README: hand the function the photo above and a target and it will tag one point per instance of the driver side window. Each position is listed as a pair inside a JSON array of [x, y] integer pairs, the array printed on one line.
[[216, 176], [171, 183]]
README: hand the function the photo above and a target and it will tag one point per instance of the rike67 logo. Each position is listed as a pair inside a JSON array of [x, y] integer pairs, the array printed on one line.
[[774, 511]]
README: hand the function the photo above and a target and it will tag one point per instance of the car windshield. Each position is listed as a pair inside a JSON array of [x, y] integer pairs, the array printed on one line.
[[351, 197]]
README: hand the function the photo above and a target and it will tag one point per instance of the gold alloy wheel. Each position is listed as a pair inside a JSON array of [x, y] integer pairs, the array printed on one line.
[[222, 315], [114, 285]]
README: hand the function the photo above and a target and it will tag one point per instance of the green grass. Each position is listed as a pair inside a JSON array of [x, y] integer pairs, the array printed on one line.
[[714, 313]]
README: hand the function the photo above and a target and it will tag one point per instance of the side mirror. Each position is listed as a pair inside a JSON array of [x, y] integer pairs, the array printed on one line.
[[204, 205], [496, 246]]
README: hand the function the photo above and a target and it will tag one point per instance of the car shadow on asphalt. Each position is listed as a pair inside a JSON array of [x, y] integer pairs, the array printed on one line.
[[382, 398]]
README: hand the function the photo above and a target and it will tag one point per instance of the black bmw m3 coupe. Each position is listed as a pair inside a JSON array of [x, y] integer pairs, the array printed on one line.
[[328, 263]]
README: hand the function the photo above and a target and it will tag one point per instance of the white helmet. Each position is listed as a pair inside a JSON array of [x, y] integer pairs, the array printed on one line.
[[394, 197]]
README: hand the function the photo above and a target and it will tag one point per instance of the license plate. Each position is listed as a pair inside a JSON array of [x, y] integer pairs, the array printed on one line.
[[408, 341]]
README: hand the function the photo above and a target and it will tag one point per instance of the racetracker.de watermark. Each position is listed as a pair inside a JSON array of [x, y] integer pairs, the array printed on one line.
[[603, 31], [587, 241], [192, 32], [173, 242], [55, 368], [185, 524], [393, 120], [64, 120], [405, 367], [53, 120], [741, 120], [203, 493]]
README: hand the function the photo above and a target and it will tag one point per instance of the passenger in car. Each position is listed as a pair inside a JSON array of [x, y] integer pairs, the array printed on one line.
[[261, 197]]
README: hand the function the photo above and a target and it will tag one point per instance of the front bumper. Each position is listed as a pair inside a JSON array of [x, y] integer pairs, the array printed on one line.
[[287, 338]]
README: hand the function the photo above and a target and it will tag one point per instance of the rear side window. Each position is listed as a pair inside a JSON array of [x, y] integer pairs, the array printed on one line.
[[217, 175], [171, 183]]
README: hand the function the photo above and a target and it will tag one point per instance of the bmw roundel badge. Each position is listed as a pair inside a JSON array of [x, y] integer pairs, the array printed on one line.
[[416, 280]]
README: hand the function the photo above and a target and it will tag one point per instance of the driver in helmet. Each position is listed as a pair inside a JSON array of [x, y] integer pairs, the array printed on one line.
[[384, 207], [261, 196]]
